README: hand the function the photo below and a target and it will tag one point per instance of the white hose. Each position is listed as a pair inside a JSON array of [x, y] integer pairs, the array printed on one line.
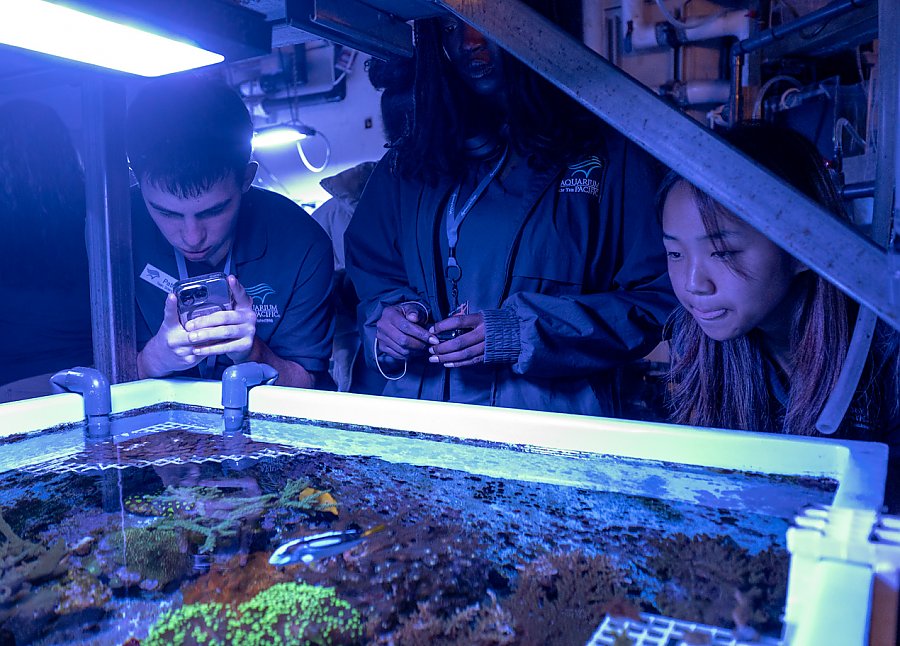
[[761, 95], [303, 158]]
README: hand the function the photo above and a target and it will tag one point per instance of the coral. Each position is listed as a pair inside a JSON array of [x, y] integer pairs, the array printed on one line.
[[213, 514], [562, 598], [23, 563], [206, 512], [233, 583], [476, 625], [296, 613], [712, 580], [395, 570], [81, 591], [200, 623], [150, 556], [286, 613]]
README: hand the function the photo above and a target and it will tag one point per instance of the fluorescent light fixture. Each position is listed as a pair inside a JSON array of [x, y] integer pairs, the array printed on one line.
[[61, 31], [278, 136]]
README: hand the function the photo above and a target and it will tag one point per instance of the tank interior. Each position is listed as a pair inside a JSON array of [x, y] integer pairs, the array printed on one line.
[[161, 512]]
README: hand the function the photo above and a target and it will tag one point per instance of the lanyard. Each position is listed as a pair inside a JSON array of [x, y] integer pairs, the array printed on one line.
[[208, 366], [455, 219]]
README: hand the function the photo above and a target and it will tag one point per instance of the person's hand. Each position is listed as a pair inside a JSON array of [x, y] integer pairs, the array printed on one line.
[[466, 349], [400, 331], [170, 350], [229, 332]]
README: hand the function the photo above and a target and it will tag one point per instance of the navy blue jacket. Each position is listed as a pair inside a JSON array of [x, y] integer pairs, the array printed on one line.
[[584, 290]]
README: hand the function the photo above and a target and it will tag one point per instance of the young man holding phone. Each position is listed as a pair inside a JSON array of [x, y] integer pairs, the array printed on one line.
[[195, 213]]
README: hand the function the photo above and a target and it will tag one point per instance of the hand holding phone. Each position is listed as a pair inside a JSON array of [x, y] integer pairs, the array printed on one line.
[[203, 295], [465, 347], [446, 335]]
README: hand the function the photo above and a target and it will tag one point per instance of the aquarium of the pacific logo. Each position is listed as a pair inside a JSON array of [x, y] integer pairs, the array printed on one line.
[[265, 312], [583, 177]]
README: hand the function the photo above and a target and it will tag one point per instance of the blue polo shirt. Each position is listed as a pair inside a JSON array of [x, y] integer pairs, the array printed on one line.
[[281, 256]]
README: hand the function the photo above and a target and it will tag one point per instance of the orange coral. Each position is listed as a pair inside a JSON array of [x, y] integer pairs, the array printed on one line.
[[230, 583]]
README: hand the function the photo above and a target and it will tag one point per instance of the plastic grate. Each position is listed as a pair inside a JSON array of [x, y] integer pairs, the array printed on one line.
[[653, 630]]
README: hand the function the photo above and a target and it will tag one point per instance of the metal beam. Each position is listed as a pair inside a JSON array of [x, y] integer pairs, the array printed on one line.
[[352, 23], [109, 229], [886, 216], [830, 247]]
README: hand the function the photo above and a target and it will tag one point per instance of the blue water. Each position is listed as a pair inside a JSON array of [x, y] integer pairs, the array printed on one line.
[[469, 526]]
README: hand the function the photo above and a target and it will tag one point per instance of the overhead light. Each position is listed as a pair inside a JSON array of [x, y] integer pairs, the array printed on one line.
[[278, 136], [69, 33]]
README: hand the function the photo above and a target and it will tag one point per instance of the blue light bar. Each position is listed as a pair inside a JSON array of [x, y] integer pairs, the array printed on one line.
[[61, 31]]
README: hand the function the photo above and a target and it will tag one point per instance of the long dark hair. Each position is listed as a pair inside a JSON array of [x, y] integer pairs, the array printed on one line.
[[723, 384], [42, 207], [545, 125]]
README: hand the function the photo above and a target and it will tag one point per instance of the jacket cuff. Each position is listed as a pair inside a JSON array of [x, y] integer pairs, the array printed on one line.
[[501, 336]]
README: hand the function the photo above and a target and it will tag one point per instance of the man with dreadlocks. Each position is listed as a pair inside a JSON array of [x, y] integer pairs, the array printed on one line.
[[505, 249]]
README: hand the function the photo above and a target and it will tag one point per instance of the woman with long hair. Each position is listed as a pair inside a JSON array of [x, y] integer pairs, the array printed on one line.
[[46, 324], [760, 339], [503, 249]]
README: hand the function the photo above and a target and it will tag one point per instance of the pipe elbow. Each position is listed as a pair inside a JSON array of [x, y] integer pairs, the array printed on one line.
[[238, 379], [90, 383]]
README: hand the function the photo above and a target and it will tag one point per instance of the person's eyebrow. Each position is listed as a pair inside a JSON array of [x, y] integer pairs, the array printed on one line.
[[215, 208], [162, 209], [721, 234]]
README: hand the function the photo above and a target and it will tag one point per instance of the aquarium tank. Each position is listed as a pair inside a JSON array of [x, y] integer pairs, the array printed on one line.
[[450, 526]]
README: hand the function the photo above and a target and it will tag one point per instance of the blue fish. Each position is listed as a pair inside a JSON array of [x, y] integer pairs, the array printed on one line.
[[320, 546]]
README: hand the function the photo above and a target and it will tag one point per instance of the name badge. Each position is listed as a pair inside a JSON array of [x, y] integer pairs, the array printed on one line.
[[158, 278]]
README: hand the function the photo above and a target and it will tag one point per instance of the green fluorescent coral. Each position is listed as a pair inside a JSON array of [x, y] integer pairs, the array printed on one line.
[[294, 614]]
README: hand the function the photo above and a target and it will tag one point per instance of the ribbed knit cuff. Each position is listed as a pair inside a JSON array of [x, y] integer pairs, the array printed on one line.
[[501, 336]]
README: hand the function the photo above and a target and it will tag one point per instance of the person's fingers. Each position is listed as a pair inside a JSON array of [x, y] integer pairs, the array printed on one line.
[[462, 364], [458, 322], [241, 297], [458, 343], [416, 332], [170, 312], [221, 319], [207, 335], [239, 345], [390, 348], [395, 317], [394, 327], [468, 356]]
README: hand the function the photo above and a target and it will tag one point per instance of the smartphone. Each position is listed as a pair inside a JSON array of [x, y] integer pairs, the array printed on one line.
[[202, 295], [461, 310], [452, 334]]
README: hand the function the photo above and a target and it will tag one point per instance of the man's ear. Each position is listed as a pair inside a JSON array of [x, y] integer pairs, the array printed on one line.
[[249, 175]]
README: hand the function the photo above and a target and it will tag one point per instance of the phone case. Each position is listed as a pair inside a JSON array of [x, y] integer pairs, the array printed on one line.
[[202, 295]]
